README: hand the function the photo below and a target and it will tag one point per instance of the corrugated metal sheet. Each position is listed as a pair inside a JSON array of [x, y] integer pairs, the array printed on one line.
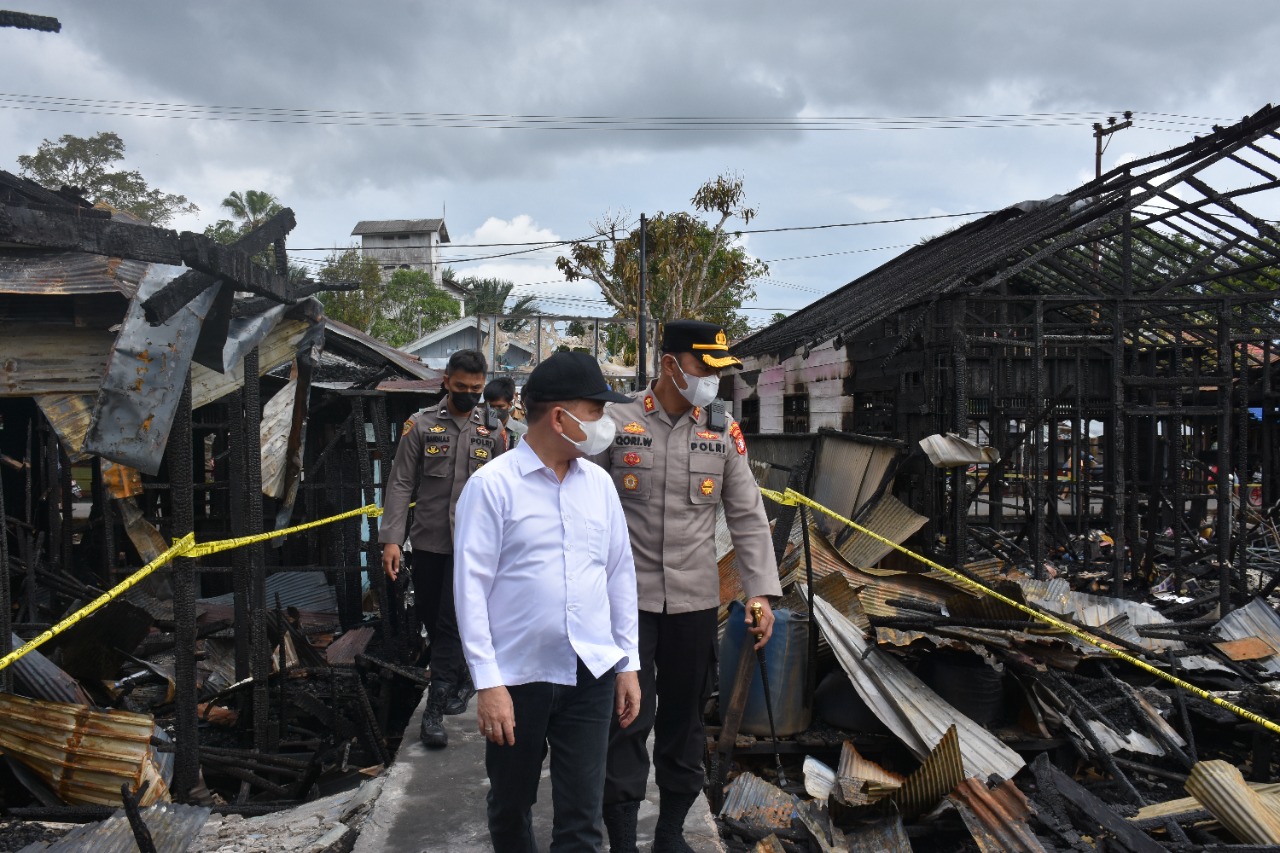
[[342, 334], [996, 817], [41, 273], [1221, 788], [890, 518], [69, 415], [909, 708], [1255, 619], [940, 772], [886, 837], [173, 827], [304, 590], [755, 802], [52, 358], [861, 781], [847, 472], [1269, 791], [41, 678], [819, 779], [82, 754]]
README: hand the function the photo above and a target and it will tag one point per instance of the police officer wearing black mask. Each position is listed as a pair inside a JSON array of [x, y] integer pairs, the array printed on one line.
[[439, 449]]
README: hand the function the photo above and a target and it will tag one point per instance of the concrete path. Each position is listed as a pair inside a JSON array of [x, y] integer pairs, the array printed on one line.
[[434, 801]]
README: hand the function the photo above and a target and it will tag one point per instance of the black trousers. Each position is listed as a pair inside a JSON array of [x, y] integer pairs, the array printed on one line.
[[573, 721], [433, 604], [677, 652]]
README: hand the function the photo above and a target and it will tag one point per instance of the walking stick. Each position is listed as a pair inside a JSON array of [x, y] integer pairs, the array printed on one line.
[[757, 613]]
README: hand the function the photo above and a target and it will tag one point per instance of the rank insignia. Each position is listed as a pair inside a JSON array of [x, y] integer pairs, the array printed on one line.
[[631, 458], [735, 432], [633, 428], [433, 449], [649, 405], [408, 425], [436, 428], [708, 486], [696, 413], [709, 435], [482, 430], [630, 482], [481, 453]]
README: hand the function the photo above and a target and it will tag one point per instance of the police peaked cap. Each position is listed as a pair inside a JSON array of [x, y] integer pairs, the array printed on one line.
[[706, 340]]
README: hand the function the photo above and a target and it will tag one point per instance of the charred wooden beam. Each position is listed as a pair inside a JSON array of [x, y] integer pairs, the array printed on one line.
[[25, 21], [166, 302]]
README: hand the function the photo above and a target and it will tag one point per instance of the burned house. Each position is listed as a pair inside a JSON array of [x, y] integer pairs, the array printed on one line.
[[1116, 344], [159, 384]]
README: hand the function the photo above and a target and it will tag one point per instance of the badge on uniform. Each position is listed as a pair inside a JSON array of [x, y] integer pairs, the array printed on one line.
[[630, 482], [649, 405], [433, 449], [408, 425], [708, 486], [436, 428], [735, 432], [631, 458], [709, 435], [633, 428], [482, 430], [481, 453], [696, 413]]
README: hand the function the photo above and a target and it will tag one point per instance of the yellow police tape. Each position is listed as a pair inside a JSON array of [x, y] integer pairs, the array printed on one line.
[[183, 547], [793, 498]]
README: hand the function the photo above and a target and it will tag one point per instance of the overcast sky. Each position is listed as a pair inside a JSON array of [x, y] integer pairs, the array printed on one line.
[[771, 62]]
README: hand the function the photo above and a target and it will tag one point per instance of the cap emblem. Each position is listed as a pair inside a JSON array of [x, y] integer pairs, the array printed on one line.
[[634, 428], [721, 340], [708, 486]]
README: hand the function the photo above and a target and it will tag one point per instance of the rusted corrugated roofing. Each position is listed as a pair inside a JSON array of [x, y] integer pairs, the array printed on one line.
[[909, 708], [861, 781], [1255, 619], [940, 772], [41, 678], [890, 518], [40, 273], [81, 754], [755, 802], [996, 817], [173, 826]]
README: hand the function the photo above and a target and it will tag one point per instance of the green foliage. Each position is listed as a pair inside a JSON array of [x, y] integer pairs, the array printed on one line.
[[411, 305], [576, 329], [777, 317], [490, 296], [693, 270], [358, 307], [88, 163]]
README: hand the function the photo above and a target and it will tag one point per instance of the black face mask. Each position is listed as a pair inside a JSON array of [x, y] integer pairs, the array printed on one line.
[[464, 401], [502, 414]]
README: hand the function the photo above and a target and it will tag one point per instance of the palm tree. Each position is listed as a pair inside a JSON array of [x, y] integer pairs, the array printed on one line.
[[486, 296], [252, 208]]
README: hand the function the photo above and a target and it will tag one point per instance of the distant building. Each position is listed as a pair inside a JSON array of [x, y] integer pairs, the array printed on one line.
[[406, 244], [434, 348]]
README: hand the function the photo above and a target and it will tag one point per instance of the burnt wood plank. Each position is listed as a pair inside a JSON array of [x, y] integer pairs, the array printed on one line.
[[67, 231]]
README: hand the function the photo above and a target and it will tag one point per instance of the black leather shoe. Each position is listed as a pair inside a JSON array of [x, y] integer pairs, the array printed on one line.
[[432, 732], [458, 701]]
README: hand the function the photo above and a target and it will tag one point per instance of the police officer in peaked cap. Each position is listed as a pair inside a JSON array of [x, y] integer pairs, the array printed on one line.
[[675, 458]]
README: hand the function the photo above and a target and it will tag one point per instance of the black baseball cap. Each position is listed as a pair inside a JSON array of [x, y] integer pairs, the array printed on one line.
[[705, 340], [570, 376]]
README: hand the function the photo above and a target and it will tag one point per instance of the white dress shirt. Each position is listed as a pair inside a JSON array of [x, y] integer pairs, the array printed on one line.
[[543, 573]]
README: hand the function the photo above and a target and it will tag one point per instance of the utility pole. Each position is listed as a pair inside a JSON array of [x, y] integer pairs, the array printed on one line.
[[642, 350], [1099, 132]]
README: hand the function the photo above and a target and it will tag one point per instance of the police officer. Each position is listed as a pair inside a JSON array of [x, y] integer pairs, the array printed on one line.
[[675, 457], [439, 448]]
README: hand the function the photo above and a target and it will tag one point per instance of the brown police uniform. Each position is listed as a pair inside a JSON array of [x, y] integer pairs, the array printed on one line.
[[671, 473], [433, 461]]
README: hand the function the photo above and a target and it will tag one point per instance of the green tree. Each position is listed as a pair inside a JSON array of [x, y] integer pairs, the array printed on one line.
[[777, 317], [89, 164], [491, 295], [411, 305], [248, 209], [357, 308], [694, 270]]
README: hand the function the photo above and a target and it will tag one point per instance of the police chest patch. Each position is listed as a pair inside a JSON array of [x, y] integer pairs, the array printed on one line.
[[436, 428], [480, 453], [630, 482], [735, 432], [633, 428], [708, 486], [482, 430], [707, 446], [433, 449], [408, 425], [708, 434], [631, 458]]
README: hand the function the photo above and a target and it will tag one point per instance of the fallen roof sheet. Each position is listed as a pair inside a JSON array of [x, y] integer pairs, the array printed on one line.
[[42, 273], [173, 826], [755, 802], [941, 771], [1223, 791], [309, 591], [43, 679], [890, 518], [996, 817], [1255, 620], [861, 781], [911, 709], [888, 836]]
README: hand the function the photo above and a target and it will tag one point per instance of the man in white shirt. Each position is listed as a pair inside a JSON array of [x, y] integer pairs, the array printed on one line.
[[545, 590]]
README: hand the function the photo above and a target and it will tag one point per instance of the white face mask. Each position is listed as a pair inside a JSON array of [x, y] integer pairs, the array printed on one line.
[[599, 434], [699, 391]]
